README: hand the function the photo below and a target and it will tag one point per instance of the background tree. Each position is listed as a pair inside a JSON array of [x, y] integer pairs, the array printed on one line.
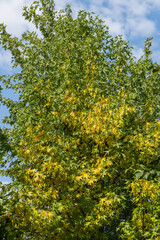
[[85, 130]]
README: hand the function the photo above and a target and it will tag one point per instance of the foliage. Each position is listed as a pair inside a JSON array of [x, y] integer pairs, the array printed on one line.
[[7, 229], [85, 131]]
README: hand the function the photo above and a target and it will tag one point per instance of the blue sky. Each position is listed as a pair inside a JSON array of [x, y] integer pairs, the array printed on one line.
[[134, 19]]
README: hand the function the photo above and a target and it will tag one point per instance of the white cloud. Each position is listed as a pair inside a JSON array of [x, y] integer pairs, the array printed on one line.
[[137, 52], [131, 7], [154, 4], [123, 17], [115, 28], [141, 27], [60, 4], [129, 18], [11, 15]]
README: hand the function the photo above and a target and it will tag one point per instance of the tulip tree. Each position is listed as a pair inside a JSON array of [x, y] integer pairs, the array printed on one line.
[[84, 136]]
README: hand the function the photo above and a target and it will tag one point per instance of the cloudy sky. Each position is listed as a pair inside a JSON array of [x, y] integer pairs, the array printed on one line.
[[134, 19]]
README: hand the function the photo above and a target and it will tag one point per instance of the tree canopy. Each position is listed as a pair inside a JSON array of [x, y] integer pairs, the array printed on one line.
[[84, 139]]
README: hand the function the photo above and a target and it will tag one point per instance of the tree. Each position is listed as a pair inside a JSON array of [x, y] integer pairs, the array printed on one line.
[[85, 130]]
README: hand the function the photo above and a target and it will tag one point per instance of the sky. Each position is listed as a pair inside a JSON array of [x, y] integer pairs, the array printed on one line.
[[135, 20]]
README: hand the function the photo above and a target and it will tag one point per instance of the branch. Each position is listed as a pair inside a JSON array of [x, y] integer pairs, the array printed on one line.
[[5, 215]]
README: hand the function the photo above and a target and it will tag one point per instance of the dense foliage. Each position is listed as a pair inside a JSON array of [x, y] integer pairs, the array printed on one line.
[[84, 136]]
